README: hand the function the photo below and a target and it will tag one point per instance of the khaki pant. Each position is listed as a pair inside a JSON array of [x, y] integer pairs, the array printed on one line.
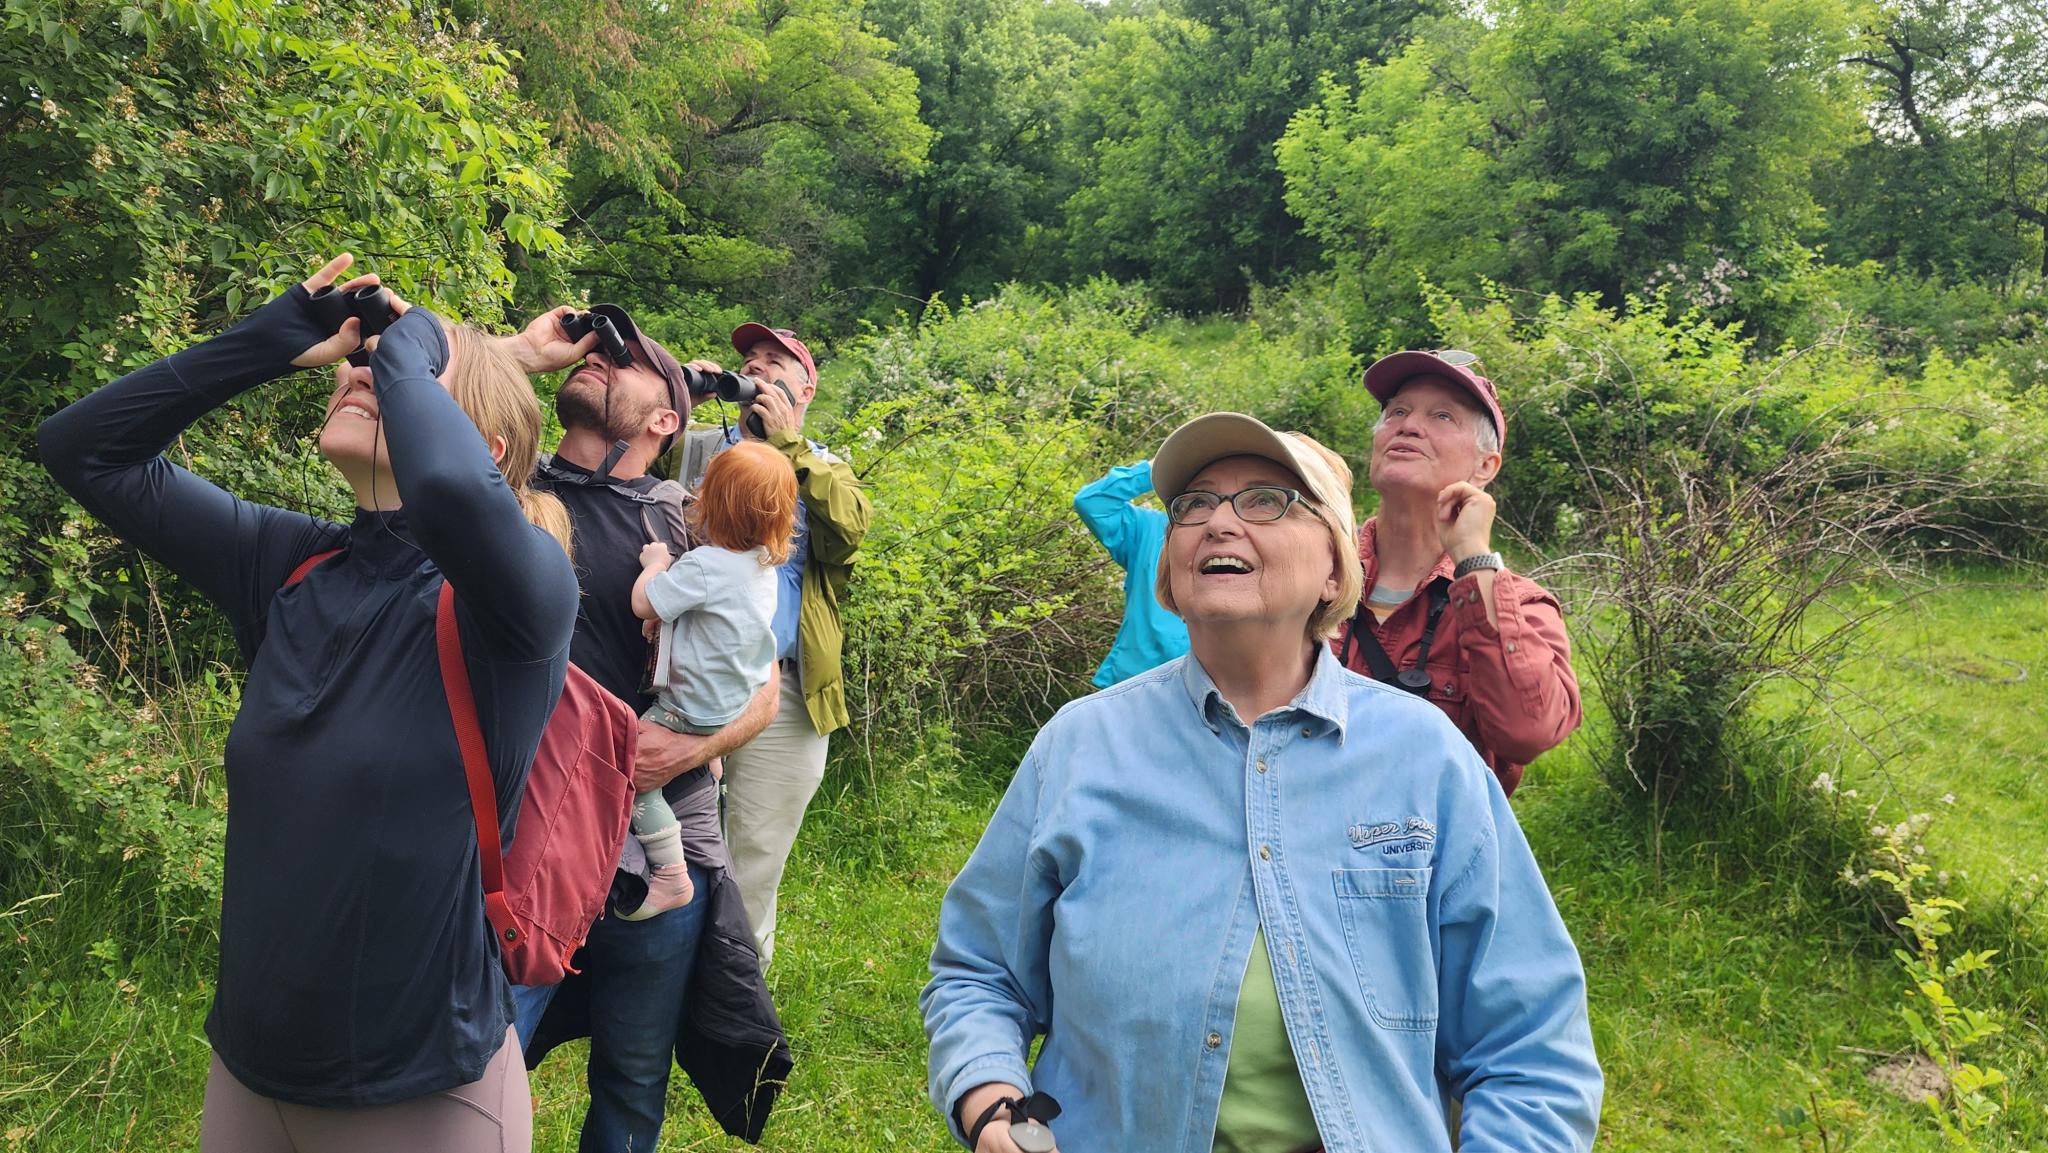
[[769, 782], [493, 1114]]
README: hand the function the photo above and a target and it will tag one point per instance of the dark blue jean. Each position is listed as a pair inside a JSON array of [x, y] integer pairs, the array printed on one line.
[[639, 972]]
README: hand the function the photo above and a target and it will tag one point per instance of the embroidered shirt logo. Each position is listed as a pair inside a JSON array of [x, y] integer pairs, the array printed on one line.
[[1402, 836]]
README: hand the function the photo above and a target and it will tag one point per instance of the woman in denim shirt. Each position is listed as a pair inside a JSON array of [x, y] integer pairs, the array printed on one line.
[[1252, 900]]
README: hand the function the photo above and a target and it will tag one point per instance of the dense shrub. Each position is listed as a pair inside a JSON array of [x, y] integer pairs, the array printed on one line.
[[1080, 352], [94, 784], [1588, 390], [1586, 387]]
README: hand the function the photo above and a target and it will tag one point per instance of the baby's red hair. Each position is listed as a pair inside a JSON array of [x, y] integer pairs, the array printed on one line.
[[747, 501]]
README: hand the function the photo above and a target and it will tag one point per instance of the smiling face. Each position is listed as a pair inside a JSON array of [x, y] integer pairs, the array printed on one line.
[[351, 435], [1428, 438], [1226, 572], [489, 388]]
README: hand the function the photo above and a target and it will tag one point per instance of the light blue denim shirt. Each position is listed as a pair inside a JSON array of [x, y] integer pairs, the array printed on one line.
[[1149, 833]]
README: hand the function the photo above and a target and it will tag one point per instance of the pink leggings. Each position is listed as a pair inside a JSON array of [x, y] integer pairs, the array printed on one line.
[[493, 1114]]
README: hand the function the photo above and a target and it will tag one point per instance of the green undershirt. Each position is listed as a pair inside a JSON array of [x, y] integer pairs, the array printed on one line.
[[1265, 1109]]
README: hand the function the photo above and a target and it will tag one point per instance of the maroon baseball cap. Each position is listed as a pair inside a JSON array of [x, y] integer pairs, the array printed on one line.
[[1390, 372], [660, 359], [750, 334]]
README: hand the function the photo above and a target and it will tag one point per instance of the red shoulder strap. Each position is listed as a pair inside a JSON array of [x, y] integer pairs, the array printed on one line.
[[308, 565], [483, 798]]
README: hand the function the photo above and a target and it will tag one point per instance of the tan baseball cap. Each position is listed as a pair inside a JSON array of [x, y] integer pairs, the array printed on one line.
[[1204, 440]]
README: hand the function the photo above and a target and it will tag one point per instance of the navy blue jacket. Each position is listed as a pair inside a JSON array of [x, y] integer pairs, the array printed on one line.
[[356, 967]]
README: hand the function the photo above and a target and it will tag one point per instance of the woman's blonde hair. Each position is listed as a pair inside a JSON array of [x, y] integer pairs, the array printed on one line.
[[747, 500], [1328, 619], [1329, 616], [498, 399]]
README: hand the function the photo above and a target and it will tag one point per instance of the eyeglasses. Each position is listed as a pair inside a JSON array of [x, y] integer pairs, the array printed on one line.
[[1259, 504], [1456, 357]]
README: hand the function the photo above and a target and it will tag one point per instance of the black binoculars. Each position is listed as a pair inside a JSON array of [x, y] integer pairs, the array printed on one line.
[[732, 388], [369, 304], [578, 325]]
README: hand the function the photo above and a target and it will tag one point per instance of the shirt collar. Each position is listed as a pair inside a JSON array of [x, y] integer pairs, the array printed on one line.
[[1369, 554], [1323, 697]]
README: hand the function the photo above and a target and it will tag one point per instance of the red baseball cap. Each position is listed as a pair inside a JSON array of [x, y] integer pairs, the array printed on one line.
[[750, 334], [1390, 372]]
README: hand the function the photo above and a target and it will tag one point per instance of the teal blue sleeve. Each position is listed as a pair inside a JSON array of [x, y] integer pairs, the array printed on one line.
[[1105, 507]]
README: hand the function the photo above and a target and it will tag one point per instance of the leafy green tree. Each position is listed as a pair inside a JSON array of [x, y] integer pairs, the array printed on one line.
[[170, 165], [710, 142], [1923, 191], [1592, 145], [1179, 112], [994, 79]]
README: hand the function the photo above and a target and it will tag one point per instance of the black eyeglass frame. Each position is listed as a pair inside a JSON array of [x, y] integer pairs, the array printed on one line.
[[1294, 497]]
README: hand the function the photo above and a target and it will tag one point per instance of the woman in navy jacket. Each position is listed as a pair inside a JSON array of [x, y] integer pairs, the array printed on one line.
[[360, 994]]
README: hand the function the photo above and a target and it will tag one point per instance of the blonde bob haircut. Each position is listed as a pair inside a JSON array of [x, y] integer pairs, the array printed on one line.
[[1333, 511]]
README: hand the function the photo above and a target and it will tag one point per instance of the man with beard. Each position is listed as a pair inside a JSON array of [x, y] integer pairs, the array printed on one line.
[[616, 420]]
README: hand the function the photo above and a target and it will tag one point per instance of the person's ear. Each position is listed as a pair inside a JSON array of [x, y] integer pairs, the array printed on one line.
[[806, 390], [664, 422], [1489, 467], [498, 450]]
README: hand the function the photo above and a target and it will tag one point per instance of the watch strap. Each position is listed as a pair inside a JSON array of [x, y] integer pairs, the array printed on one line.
[[1472, 564]]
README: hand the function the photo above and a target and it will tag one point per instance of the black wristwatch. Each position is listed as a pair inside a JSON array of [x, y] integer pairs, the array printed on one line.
[[1477, 561]]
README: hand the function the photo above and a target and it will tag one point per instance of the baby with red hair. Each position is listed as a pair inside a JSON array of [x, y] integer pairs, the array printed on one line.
[[717, 603]]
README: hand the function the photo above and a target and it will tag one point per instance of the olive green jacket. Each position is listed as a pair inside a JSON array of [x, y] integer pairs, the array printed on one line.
[[838, 513]]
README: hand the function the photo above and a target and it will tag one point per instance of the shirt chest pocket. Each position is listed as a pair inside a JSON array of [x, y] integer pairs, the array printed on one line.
[[1385, 913], [1447, 687]]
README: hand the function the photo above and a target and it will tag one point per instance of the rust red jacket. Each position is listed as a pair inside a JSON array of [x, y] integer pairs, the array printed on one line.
[[1509, 690]]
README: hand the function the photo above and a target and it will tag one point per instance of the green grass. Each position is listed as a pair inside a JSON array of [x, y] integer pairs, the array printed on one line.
[[1963, 678], [1726, 993]]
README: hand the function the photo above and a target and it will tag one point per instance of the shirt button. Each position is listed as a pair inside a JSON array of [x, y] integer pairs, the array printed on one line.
[[1308, 731], [1262, 766], [1511, 646], [1214, 1041], [1265, 853]]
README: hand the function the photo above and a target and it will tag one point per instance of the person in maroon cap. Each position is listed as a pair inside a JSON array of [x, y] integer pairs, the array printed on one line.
[[1442, 616], [769, 782]]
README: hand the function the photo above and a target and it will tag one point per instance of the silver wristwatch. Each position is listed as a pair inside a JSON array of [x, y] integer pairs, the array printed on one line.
[[1474, 563]]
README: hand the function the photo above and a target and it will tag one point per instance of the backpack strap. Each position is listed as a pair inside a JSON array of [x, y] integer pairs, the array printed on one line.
[[308, 565], [483, 799]]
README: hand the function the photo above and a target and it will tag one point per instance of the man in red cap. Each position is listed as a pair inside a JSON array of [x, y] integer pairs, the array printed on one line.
[[1442, 616], [770, 781]]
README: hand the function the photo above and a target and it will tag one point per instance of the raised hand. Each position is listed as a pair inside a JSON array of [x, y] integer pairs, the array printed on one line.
[[1464, 520], [349, 338], [542, 347]]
